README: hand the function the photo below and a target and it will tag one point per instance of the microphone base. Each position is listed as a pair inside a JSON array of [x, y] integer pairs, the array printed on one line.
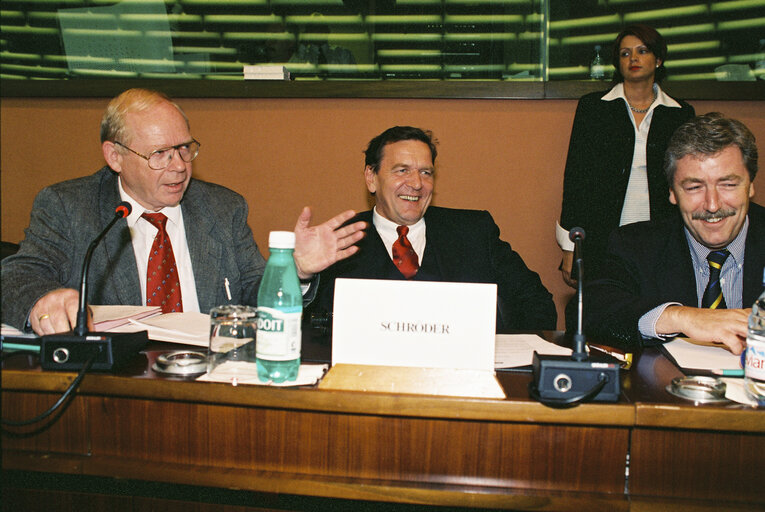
[[561, 377], [70, 352]]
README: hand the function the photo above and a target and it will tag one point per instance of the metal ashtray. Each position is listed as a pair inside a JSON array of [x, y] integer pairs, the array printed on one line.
[[699, 389], [181, 363]]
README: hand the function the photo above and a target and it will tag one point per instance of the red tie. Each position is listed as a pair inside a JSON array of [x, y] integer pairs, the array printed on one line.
[[403, 254], [163, 287]]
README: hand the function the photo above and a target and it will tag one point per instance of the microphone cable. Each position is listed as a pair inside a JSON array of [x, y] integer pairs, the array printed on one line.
[[69, 390]]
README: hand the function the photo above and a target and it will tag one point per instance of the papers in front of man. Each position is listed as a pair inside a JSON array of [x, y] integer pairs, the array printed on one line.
[[516, 350], [266, 72], [693, 355], [186, 328], [106, 318]]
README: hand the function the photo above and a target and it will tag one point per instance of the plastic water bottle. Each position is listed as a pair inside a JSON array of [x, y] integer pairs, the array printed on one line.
[[597, 69], [280, 308], [754, 369]]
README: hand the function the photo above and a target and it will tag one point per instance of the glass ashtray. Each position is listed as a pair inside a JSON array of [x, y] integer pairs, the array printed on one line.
[[698, 389], [181, 363]]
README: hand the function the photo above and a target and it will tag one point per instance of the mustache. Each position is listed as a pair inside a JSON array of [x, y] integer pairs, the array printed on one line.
[[719, 214]]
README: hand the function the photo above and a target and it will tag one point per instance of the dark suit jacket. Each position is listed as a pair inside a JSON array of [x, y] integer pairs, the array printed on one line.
[[598, 169], [649, 264], [67, 216], [461, 246]]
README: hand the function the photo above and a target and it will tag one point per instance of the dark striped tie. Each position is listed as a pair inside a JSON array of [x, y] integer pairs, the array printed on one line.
[[713, 297]]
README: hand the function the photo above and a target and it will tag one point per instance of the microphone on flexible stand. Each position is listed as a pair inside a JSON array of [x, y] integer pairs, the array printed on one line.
[[560, 381], [576, 235], [73, 351]]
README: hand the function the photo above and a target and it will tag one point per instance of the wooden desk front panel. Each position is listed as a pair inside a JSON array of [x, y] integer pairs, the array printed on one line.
[[698, 464], [69, 433], [393, 448], [126, 431]]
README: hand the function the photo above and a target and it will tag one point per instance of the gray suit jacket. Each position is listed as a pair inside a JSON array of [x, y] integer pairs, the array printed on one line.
[[67, 216]]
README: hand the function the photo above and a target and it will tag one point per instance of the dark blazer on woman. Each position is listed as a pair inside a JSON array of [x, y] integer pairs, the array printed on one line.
[[599, 164], [461, 246]]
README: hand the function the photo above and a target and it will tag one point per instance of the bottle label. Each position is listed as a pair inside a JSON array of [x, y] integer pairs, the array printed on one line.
[[755, 357], [278, 335]]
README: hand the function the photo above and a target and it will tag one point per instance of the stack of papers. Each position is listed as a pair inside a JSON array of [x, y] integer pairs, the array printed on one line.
[[106, 318], [266, 72], [185, 328]]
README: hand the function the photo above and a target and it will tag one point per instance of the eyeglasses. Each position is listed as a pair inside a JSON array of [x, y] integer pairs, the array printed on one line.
[[160, 158]]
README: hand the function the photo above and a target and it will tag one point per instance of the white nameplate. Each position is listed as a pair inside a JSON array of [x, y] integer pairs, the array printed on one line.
[[414, 323]]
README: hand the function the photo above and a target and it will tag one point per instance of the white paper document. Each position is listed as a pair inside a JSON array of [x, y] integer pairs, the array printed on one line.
[[702, 357], [414, 323], [106, 318], [734, 390], [187, 328], [514, 350], [246, 373]]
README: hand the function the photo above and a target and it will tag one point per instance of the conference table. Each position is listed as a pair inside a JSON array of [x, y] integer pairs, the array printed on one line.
[[138, 440]]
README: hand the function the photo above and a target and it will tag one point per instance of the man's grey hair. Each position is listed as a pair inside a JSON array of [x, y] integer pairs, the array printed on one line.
[[707, 135]]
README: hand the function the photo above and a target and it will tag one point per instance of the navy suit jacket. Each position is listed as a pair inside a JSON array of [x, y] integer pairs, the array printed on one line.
[[67, 216], [649, 264], [461, 246]]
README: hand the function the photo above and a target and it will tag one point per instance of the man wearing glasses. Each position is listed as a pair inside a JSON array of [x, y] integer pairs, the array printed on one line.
[[199, 229]]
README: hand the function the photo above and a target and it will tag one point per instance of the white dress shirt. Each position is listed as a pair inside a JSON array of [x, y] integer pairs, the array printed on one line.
[[387, 231], [142, 233]]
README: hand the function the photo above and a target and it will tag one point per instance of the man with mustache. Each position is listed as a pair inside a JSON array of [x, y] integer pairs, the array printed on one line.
[[186, 246], [694, 274], [409, 239]]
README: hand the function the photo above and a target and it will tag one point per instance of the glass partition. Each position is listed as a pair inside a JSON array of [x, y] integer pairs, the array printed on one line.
[[494, 40]]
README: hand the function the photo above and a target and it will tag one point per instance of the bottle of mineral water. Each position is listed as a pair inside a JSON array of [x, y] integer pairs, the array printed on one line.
[[280, 308], [597, 68], [754, 370]]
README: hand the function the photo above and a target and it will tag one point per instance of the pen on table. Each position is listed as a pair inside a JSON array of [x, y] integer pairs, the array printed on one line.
[[228, 290], [729, 373], [624, 357]]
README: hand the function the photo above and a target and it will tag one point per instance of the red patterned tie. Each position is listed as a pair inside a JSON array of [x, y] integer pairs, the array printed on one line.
[[403, 254], [163, 287]]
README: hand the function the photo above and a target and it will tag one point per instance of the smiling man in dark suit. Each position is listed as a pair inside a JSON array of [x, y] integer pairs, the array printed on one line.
[[409, 239], [147, 144], [694, 273]]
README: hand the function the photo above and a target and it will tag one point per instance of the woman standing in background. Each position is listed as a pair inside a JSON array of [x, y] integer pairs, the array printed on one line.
[[614, 170]]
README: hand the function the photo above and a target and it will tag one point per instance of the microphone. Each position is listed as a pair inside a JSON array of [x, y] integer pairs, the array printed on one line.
[[561, 381], [121, 211], [75, 351], [576, 235]]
